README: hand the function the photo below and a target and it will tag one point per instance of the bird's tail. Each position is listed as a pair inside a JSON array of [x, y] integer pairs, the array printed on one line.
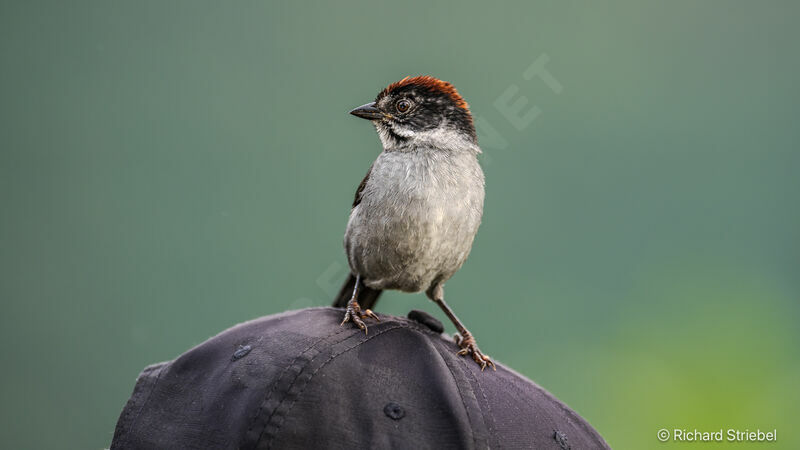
[[367, 297]]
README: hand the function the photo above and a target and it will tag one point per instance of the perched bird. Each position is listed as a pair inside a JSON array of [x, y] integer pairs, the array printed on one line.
[[417, 210]]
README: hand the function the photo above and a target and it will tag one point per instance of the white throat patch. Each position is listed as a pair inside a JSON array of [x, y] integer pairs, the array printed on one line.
[[442, 138]]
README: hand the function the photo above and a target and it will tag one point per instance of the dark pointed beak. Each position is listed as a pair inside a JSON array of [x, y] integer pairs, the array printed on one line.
[[368, 111]]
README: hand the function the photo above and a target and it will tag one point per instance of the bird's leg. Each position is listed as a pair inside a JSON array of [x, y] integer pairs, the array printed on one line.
[[464, 338], [353, 311]]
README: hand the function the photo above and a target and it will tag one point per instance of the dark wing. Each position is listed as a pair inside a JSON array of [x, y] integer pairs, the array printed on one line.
[[361, 187]]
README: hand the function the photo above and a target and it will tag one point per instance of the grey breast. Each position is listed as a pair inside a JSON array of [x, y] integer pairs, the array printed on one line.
[[418, 216]]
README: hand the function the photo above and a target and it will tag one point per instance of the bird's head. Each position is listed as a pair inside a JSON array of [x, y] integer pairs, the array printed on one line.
[[421, 112]]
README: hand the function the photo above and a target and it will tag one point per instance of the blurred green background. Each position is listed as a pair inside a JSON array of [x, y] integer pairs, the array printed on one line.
[[169, 169]]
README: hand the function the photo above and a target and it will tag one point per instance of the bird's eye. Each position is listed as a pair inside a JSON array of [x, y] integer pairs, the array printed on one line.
[[403, 105]]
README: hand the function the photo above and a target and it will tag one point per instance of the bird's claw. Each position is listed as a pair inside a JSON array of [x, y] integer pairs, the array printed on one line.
[[469, 346], [371, 315], [356, 315]]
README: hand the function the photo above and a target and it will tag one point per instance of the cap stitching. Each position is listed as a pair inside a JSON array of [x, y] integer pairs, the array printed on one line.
[[268, 395], [417, 326], [485, 400], [277, 382], [461, 396], [297, 395]]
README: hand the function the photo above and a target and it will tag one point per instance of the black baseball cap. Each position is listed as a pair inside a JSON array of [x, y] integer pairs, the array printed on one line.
[[299, 380]]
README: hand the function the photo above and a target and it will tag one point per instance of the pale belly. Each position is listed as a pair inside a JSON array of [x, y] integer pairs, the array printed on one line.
[[407, 254]]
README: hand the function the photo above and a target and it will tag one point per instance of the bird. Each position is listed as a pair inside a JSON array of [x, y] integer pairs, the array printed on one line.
[[417, 211]]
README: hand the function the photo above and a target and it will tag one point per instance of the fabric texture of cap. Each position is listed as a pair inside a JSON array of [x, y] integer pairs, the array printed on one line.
[[299, 380]]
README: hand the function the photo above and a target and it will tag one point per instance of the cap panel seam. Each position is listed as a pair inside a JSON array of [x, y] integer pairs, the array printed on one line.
[[461, 381], [489, 414], [464, 366], [273, 389], [253, 440], [279, 424]]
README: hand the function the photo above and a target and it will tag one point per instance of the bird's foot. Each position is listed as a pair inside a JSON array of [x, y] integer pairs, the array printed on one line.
[[354, 313], [469, 346]]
